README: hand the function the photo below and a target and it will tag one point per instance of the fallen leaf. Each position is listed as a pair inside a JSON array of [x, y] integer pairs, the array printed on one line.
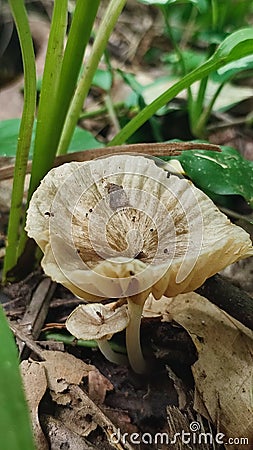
[[61, 436], [223, 371], [35, 385], [63, 369], [98, 386]]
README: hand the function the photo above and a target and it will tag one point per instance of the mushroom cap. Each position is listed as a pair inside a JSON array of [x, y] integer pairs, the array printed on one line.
[[97, 321], [118, 227]]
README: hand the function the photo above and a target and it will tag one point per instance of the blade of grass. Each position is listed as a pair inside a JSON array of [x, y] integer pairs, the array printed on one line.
[[164, 98], [44, 151], [51, 120], [15, 427], [235, 46], [59, 80], [25, 132], [111, 16]]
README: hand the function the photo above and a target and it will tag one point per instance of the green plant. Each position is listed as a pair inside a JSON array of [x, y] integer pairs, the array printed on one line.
[[62, 96], [208, 22], [235, 47], [15, 428], [223, 176], [65, 91]]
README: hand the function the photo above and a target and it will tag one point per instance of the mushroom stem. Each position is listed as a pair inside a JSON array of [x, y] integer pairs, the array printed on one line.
[[110, 354], [133, 344]]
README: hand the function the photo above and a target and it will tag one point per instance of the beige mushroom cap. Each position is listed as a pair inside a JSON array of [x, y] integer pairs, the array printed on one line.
[[97, 321], [118, 227]]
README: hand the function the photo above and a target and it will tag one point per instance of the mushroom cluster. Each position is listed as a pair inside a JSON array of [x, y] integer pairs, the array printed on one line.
[[119, 228]]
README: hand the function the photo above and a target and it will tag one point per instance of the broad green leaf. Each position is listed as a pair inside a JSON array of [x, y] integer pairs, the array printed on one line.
[[225, 173], [235, 46], [15, 427], [200, 4], [83, 140], [102, 79], [192, 59], [226, 72], [9, 129]]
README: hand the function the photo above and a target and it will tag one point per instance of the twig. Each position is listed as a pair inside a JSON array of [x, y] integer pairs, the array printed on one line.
[[160, 149], [35, 315], [27, 340], [230, 298]]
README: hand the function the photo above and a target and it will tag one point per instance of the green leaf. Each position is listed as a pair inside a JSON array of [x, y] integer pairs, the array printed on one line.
[[102, 79], [9, 131], [15, 429], [226, 72], [83, 140], [235, 46], [200, 4], [225, 173]]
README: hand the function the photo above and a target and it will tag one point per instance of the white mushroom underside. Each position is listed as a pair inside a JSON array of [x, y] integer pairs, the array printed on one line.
[[117, 226]]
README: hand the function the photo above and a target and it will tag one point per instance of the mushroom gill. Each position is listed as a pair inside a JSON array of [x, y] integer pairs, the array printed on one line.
[[117, 227]]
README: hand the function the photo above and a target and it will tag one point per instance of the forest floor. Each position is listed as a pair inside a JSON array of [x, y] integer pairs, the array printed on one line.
[[199, 357]]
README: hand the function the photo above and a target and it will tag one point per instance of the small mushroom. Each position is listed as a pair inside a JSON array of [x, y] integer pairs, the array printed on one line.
[[99, 322], [118, 228]]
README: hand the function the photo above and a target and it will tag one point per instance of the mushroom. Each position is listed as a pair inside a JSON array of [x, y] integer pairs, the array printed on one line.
[[118, 228], [99, 322]]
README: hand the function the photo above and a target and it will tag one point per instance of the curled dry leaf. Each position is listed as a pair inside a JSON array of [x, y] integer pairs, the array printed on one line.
[[223, 371]]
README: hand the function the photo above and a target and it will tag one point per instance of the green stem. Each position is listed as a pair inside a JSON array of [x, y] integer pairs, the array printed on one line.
[[133, 344], [44, 153], [118, 107], [111, 16], [68, 340], [59, 81], [111, 111], [214, 14], [198, 128], [164, 10], [25, 132], [197, 106], [44, 148]]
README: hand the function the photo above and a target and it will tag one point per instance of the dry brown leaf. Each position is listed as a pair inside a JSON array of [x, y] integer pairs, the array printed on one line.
[[223, 372], [98, 386], [35, 384], [61, 436], [63, 369]]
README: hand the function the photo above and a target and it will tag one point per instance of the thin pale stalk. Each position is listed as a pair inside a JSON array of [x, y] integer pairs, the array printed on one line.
[[25, 132], [110, 354], [133, 345], [111, 16]]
